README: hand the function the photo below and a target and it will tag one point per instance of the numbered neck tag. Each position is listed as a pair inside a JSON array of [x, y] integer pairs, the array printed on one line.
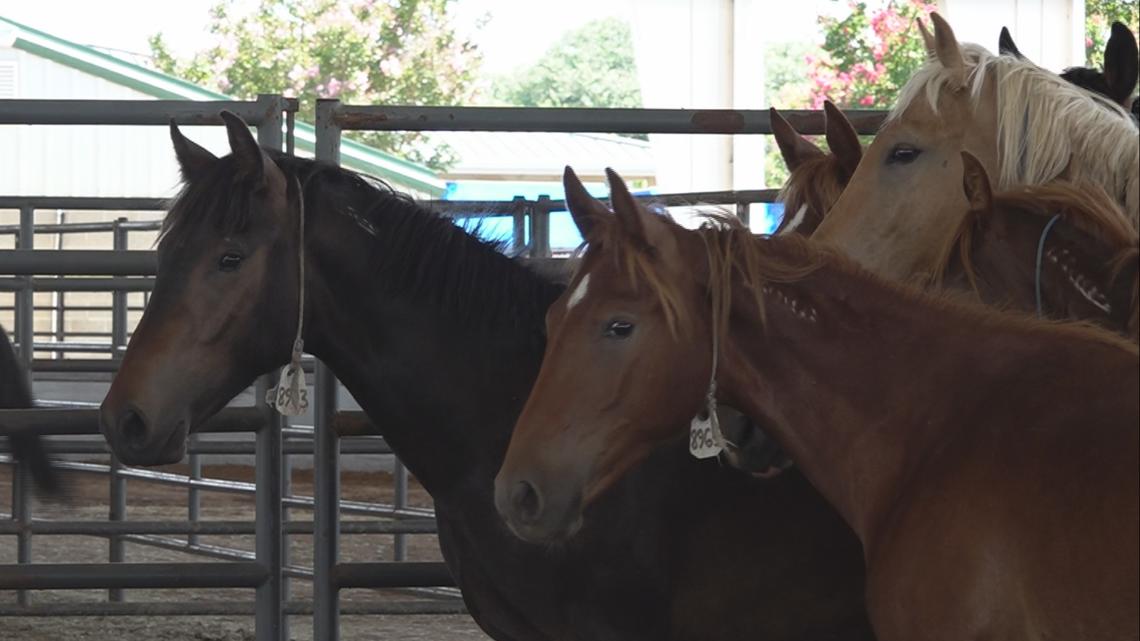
[[705, 440], [291, 396]]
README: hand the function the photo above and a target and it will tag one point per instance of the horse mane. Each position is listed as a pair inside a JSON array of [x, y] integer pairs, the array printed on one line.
[[814, 183], [1047, 128], [422, 256], [1088, 208]]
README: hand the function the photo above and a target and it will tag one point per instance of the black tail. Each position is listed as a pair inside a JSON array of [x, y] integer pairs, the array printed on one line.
[[27, 449]]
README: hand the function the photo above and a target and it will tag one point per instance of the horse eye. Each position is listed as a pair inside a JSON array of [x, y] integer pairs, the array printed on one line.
[[902, 155], [229, 261], [619, 329]]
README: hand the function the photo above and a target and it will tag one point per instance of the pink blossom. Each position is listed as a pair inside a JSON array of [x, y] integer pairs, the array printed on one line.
[[866, 101], [333, 89]]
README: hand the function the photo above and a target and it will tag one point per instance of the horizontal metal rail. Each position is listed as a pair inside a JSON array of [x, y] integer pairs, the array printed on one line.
[[228, 608], [577, 120], [205, 528], [45, 420], [88, 576], [134, 112]]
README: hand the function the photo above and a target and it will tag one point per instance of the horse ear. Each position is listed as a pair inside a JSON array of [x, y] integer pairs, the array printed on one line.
[[638, 225], [976, 183], [587, 212], [193, 159], [842, 139], [946, 49], [793, 147], [1120, 63], [927, 39], [252, 161], [1006, 45]]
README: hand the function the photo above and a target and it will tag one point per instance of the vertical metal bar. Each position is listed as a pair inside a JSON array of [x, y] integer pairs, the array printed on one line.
[[540, 228], [743, 214], [326, 513], [118, 512], [25, 308], [119, 298], [59, 299], [326, 447], [518, 216], [400, 500], [270, 605], [270, 621], [22, 515], [193, 494]]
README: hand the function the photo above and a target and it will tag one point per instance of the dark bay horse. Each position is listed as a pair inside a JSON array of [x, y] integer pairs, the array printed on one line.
[[988, 462], [15, 393], [1060, 250], [439, 337]]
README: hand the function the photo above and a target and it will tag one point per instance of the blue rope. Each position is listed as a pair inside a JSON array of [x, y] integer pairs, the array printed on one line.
[[1040, 255]]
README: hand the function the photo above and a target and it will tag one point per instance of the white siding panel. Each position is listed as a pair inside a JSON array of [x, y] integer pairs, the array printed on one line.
[[71, 160]]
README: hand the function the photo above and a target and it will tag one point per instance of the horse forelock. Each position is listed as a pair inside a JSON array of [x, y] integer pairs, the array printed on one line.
[[814, 184]]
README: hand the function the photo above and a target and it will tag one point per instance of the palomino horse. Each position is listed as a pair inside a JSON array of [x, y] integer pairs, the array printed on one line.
[[439, 337], [15, 393], [1026, 126], [1118, 79], [815, 178], [1060, 250], [988, 462]]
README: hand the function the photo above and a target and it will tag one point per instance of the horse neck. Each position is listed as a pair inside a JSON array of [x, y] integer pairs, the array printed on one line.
[[444, 396], [858, 380]]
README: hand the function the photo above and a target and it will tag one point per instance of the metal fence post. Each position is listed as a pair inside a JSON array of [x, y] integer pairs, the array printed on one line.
[[400, 501], [540, 228], [326, 447], [269, 618], [25, 297], [518, 226], [117, 512], [22, 515], [270, 621], [119, 297]]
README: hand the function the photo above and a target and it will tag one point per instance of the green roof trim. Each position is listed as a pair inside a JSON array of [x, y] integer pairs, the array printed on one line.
[[354, 155]]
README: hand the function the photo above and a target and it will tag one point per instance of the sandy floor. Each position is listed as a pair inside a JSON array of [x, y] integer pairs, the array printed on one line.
[[148, 501]]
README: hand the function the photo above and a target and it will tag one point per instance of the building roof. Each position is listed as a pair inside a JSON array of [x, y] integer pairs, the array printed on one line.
[[542, 156], [354, 155]]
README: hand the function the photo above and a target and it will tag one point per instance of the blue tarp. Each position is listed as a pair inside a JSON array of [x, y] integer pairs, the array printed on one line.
[[563, 234]]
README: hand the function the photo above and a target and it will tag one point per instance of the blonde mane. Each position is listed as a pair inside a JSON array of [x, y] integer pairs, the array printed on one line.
[[1047, 128]]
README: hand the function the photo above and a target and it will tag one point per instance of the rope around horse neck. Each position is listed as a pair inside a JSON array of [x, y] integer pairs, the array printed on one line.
[[1040, 256]]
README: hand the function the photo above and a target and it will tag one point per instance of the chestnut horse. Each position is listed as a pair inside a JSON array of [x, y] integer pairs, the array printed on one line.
[[1025, 125], [988, 462], [1060, 250], [815, 178], [439, 337]]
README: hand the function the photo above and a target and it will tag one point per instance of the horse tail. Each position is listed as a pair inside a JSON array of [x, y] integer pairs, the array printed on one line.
[[27, 449]]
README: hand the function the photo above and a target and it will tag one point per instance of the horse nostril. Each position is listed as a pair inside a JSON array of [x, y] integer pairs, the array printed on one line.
[[132, 429], [526, 502]]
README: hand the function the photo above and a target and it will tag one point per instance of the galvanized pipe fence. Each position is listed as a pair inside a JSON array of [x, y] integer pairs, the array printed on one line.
[[267, 569]]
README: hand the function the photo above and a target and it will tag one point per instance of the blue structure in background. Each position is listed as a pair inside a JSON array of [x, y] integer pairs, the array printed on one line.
[[563, 234]]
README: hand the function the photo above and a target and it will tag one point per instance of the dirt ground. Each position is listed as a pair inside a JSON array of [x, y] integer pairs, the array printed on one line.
[[149, 501]]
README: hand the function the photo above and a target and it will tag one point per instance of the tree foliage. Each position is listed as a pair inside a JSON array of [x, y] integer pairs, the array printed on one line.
[[1099, 16], [592, 66], [869, 54], [360, 51]]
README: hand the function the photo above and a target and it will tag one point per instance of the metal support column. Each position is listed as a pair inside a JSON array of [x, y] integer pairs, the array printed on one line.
[[540, 228], [22, 515], [270, 621], [326, 447], [117, 513], [400, 501], [25, 297]]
